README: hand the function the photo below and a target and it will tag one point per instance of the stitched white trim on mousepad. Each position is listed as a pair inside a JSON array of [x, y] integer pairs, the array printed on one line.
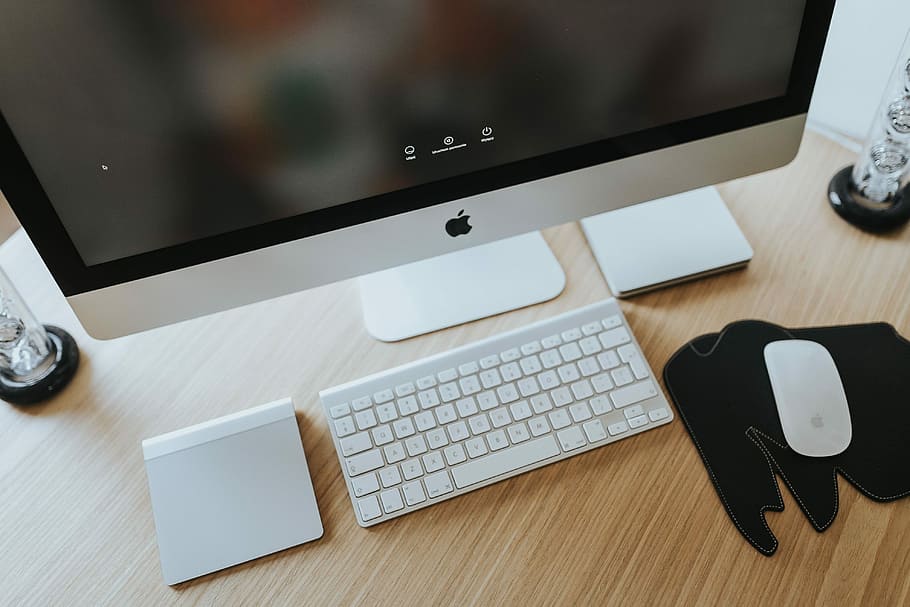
[[721, 389]]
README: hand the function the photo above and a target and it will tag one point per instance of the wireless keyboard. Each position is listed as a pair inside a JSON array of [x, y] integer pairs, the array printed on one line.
[[436, 428]]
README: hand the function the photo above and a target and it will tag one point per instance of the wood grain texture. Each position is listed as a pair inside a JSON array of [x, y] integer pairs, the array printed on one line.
[[636, 523]]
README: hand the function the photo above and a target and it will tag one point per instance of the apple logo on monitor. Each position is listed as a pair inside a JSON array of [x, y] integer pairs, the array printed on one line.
[[458, 226]]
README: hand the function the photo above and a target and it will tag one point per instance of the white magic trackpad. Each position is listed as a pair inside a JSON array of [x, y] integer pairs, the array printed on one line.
[[810, 397]]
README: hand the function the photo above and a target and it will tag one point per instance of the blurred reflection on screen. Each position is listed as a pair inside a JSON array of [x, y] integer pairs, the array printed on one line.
[[213, 115]]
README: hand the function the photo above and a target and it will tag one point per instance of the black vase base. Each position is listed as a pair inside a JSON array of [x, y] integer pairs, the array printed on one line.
[[66, 362], [872, 217]]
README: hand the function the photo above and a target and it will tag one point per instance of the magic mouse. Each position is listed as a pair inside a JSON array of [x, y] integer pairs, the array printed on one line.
[[810, 397]]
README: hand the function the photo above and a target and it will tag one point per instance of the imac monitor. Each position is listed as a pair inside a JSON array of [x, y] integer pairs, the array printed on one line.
[[172, 159]]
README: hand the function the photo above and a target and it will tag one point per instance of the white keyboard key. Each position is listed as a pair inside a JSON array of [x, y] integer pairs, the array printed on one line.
[[408, 406], [383, 396], [394, 453], [345, 426], [589, 346], [438, 484], [449, 392], [612, 322], [529, 348], [359, 404], [614, 337], [428, 399], [618, 428], [580, 412], [510, 372], [638, 422], [507, 394], [390, 476], [405, 389], [568, 373], [601, 404], [541, 403], [629, 354], [497, 440], [411, 469], [468, 368], [518, 433], [608, 360], [416, 445], [582, 390], [446, 414], [403, 427], [551, 342], [548, 380], [560, 419], [479, 424], [424, 421], [658, 414], [501, 463], [602, 383], [425, 383], [466, 407], [588, 367], [433, 462], [413, 493], [500, 417], [488, 362], [528, 386], [571, 438], [365, 484], [339, 410], [539, 426], [487, 401], [571, 335], [490, 378], [530, 365], [382, 435], [476, 447], [510, 355], [454, 454], [570, 352], [469, 385], [369, 508], [447, 375], [550, 359], [623, 397], [592, 328], [520, 410], [437, 438], [622, 376], [365, 419], [561, 396], [634, 411], [365, 462], [386, 412], [391, 501], [458, 431], [594, 430]]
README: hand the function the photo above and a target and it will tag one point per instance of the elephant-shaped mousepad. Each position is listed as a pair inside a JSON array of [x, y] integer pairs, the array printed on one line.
[[723, 393]]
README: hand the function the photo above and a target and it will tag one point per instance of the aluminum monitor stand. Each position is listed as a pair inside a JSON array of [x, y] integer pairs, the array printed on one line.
[[459, 287]]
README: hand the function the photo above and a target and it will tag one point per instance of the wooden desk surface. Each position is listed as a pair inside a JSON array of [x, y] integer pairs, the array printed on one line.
[[637, 522]]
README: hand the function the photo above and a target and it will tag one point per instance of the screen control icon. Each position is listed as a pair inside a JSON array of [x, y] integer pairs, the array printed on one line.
[[449, 140], [487, 131], [409, 150]]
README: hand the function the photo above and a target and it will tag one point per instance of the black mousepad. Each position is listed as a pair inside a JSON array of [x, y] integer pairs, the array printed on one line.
[[722, 391]]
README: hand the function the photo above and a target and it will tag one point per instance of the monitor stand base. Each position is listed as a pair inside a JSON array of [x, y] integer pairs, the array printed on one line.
[[666, 242], [459, 287]]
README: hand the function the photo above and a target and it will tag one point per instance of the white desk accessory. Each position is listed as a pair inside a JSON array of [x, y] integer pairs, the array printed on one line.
[[666, 241], [230, 490]]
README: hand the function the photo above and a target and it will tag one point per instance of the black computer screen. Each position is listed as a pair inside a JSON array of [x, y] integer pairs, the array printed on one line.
[[155, 123]]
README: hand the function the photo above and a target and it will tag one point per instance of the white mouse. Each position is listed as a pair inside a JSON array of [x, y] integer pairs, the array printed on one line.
[[810, 397]]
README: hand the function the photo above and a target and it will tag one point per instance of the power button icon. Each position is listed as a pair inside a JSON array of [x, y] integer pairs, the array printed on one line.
[[487, 131]]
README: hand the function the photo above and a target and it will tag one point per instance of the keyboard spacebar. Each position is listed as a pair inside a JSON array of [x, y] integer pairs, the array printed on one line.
[[510, 459]]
